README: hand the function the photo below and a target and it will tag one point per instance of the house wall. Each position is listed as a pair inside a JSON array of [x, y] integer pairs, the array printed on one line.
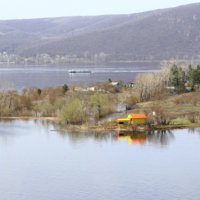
[[138, 121]]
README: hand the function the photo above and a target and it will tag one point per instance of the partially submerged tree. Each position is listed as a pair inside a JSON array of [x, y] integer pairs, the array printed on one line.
[[74, 113], [99, 102]]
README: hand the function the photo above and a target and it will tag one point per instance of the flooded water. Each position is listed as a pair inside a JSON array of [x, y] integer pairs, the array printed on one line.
[[38, 162], [54, 75]]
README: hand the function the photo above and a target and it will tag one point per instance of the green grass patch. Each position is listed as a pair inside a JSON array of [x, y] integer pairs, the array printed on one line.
[[178, 124]]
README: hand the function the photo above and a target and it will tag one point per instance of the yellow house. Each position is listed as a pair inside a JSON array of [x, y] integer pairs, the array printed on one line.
[[137, 118], [123, 122]]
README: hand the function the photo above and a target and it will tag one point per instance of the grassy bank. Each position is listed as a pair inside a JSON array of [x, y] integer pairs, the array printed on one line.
[[178, 124], [181, 110]]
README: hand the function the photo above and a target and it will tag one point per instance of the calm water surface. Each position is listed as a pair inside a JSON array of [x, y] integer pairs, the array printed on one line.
[[54, 75], [37, 162]]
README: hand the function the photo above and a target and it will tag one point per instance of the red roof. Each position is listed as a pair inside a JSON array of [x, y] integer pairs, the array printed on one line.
[[137, 116], [133, 81]]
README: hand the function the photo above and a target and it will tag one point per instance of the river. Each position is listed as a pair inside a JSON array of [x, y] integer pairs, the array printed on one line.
[[54, 75], [39, 162]]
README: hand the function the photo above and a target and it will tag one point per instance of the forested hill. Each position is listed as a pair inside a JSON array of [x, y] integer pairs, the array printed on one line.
[[154, 35]]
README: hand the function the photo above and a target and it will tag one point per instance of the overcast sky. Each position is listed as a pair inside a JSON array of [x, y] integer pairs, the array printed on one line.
[[27, 9]]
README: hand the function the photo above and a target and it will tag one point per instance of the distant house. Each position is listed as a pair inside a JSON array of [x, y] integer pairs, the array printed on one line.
[[171, 90], [187, 86], [116, 84], [132, 119], [85, 88], [93, 88], [137, 118], [100, 89], [131, 84]]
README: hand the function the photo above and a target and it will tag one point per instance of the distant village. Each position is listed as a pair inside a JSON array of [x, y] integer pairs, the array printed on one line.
[[12, 58]]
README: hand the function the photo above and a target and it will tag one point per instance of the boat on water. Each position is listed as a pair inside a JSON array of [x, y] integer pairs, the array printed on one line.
[[79, 71]]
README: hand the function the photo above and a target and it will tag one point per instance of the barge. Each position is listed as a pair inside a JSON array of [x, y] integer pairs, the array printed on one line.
[[79, 71]]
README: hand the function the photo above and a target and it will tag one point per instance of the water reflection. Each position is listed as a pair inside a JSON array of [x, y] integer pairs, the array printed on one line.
[[8, 131], [194, 130], [42, 163], [162, 138], [46, 125], [11, 128], [132, 138], [6, 120], [76, 136]]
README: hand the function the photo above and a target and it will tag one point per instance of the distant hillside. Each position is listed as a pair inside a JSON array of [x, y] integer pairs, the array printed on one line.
[[155, 35]]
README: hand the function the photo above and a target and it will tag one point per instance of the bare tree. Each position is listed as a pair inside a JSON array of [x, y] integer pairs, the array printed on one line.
[[162, 115], [150, 85]]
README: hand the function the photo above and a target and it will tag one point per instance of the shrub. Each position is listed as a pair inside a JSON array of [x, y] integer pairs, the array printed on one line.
[[162, 115], [193, 116], [177, 100]]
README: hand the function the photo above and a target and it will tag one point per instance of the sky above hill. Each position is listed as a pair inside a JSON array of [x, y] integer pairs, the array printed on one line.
[[27, 9]]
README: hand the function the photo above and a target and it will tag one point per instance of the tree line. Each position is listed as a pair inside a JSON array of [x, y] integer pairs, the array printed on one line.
[[153, 85], [63, 102]]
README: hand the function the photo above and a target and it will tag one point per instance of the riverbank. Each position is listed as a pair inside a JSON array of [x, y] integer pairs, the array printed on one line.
[[178, 124]]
